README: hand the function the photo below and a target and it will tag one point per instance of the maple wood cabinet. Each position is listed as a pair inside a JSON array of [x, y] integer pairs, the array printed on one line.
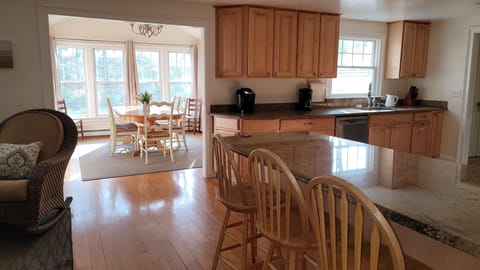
[[324, 125], [230, 41], [421, 133], [437, 130], [329, 31], [308, 44], [268, 42], [391, 130], [407, 47], [260, 42], [285, 44]]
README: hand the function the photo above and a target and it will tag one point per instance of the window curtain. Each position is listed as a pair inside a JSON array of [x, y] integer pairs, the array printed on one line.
[[53, 56], [195, 71], [132, 76]]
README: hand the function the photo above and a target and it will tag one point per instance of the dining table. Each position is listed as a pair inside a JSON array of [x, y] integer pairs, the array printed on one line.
[[432, 204], [136, 114]]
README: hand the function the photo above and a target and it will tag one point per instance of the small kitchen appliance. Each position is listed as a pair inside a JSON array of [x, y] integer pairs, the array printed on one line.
[[304, 99], [245, 100], [391, 101]]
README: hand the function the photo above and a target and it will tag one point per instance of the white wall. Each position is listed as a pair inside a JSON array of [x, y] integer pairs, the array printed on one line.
[[446, 69]]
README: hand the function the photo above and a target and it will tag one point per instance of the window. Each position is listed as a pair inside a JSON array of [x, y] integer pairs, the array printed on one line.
[[72, 79], [90, 71], [148, 69], [357, 70], [164, 71], [180, 74], [109, 78]]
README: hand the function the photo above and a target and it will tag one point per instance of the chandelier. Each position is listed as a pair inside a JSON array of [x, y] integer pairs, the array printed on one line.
[[146, 29]]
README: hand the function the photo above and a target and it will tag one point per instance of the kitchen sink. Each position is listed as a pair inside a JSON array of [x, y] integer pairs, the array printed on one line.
[[376, 109]]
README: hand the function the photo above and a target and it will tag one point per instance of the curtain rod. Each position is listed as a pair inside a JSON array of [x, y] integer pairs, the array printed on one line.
[[122, 41]]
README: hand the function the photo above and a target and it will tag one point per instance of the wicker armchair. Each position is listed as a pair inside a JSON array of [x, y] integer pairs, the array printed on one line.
[[44, 203]]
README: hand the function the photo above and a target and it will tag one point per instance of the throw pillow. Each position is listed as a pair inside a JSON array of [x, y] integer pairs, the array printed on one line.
[[18, 160]]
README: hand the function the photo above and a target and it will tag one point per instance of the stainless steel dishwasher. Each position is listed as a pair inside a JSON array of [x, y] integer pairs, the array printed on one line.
[[352, 127]]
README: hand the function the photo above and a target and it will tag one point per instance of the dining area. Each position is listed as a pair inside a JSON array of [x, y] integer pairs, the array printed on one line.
[[150, 127], [321, 202]]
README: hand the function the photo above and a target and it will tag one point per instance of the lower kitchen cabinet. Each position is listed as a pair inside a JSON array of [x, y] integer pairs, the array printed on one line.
[[391, 130], [437, 129], [324, 125], [421, 133]]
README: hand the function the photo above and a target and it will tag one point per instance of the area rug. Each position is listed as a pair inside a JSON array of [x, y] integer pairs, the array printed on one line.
[[96, 162], [49, 250]]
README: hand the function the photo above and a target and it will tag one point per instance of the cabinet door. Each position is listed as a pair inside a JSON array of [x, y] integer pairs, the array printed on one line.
[[260, 42], [230, 42], [421, 50], [308, 44], [329, 27], [408, 49], [437, 129], [379, 135], [285, 44], [421, 134], [400, 137]]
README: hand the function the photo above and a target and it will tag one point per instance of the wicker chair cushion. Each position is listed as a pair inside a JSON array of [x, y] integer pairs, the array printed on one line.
[[17, 160], [13, 190], [35, 126]]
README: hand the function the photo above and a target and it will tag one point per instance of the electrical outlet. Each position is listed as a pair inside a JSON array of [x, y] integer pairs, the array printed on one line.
[[456, 93]]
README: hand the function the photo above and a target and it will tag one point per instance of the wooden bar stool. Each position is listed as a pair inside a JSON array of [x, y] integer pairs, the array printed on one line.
[[237, 197]]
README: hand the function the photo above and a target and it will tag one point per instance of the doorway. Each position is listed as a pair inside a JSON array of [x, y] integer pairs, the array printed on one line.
[[471, 149]]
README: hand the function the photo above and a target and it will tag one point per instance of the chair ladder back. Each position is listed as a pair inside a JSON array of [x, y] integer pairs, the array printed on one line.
[[345, 205], [277, 196], [227, 171]]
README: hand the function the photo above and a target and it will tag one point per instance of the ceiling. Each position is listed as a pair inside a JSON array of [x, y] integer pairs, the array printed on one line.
[[373, 10]]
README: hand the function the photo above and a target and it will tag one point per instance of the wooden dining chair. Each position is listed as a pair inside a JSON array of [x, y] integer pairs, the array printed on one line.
[[62, 107], [120, 132], [193, 117], [237, 197], [349, 228], [154, 133], [179, 123], [281, 211]]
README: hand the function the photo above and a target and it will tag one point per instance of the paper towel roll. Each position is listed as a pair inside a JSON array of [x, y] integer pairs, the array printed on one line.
[[319, 90]]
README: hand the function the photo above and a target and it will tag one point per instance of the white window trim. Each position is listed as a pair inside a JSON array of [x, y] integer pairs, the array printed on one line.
[[379, 59], [164, 49], [90, 76]]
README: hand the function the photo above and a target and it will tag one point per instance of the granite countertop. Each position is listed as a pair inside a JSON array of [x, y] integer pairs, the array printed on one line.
[[291, 114], [431, 196]]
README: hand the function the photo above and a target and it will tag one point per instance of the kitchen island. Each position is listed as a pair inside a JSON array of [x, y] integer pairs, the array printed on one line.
[[428, 200]]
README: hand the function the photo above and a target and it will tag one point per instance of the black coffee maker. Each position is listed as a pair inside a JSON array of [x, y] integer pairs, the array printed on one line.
[[304, 99], [245, 100]]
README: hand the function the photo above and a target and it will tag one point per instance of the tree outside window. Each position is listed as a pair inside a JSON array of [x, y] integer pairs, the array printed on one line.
[[72, 79]]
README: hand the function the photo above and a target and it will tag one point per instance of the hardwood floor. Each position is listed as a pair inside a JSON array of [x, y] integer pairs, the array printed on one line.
[[167, 220]]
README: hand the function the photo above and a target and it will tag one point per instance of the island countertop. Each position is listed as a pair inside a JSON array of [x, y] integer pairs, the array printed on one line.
[[434, 197]]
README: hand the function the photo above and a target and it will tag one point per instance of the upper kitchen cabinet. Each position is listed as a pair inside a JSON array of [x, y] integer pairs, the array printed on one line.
[[260, 42], [285, 44], [407, 46], [317, 45], [231, 39], [329, 29], [266, 42], [308, 44]]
